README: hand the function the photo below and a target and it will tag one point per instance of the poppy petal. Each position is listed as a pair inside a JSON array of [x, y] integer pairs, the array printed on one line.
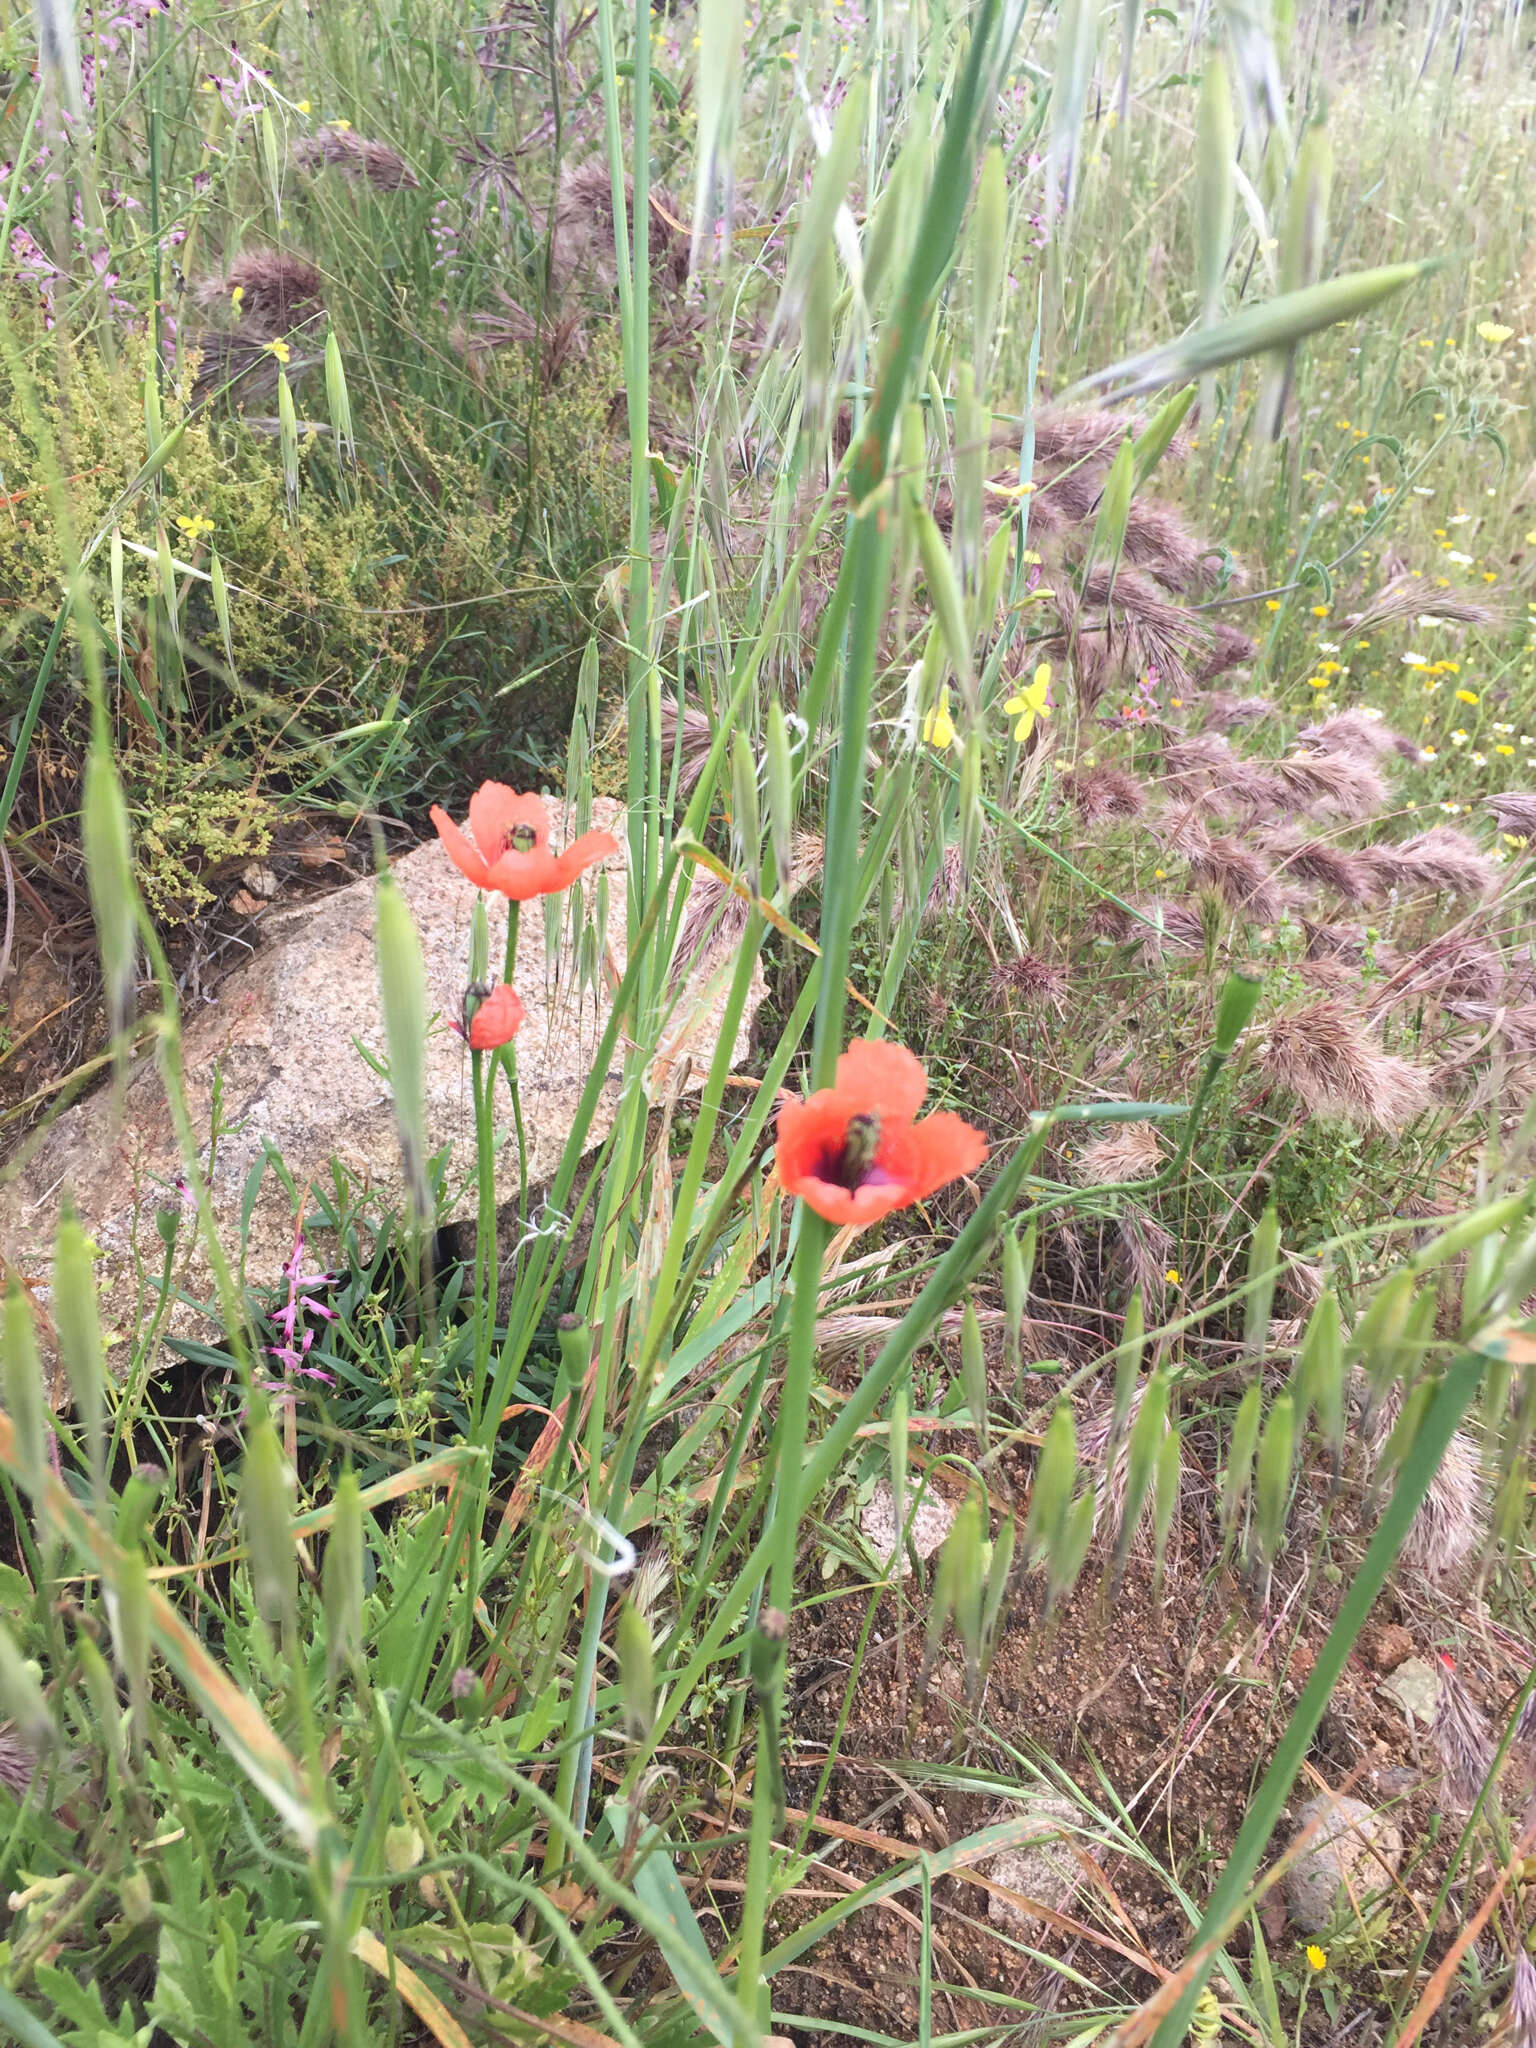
[[495, 811], [944, 1146], [858, 1206], [461, 851], [497, 1020], [876, 1074], [582, 854], [521, 876]]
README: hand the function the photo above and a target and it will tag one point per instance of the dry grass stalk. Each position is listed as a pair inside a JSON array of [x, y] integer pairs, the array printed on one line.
[[1403, 598], [269, 292], [1514, 810], [1099, 793], [1344, 785], [1031, 978], [1222, 712], [1515, 1023], [1143, 1248], [1175, 928], [355, 156], [1355, 731], [1239, 876], [1125, 1152], [1329, 866], [1461, 1739], [1440, 859], [1324, 1056], [583, 248], [716, 916]]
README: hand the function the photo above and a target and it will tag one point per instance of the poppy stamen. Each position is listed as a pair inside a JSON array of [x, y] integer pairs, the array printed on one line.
[[522, 839], [849, 1166]]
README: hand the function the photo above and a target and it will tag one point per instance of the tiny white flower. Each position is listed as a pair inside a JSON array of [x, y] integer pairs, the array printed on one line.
[[1423, 491], [1458, 738], [1416, 661], [1327, 646], [1455, 555], [1459, 519], [1478, 760]]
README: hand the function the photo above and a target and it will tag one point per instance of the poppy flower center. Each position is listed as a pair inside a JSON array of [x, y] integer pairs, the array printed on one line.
[[521, 839], [474, 996], [849, 1165]]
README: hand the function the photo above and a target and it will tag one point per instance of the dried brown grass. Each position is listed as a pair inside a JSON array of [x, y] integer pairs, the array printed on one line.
[[355, 156], [1324, 1055]]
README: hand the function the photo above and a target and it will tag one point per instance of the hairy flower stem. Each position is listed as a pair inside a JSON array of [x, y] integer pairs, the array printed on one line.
[[508, 1059], [783, 1529]]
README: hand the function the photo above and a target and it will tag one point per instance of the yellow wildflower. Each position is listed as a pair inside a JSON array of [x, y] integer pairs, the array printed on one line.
[[281, 350], [1466, 696], [1030, 703], [938, 726], [1494, 332], [1317, 1957]]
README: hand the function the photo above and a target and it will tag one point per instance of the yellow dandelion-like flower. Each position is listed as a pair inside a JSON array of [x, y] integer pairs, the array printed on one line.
[[939, 727], [1503, 748], [1466, 696], [1494, 332], [1172, 1276], [1272, 604], [236, 296], [1319, 682], [1030, 703], [281, 350], [302, 105], [1320, 611], [1316, 1956]]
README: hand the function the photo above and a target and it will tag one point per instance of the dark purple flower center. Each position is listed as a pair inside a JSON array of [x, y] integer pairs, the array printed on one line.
[[852, 1164], [521, 839]]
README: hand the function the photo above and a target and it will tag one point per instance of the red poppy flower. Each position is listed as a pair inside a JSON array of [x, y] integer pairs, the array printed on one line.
[[509, 851], [496, 1019], [853, 1151]]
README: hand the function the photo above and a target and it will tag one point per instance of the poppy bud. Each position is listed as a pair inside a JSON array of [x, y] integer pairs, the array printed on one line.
[[1234, 1011], [496, 1020]]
